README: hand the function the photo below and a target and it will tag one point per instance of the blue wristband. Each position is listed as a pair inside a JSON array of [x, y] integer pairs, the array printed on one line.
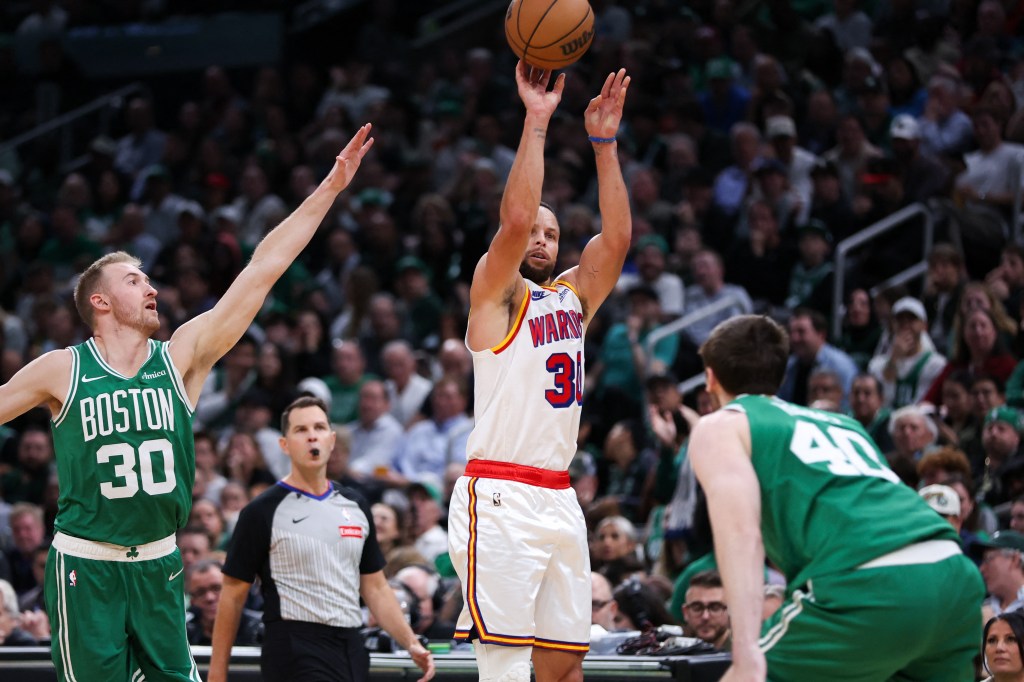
[[601, 140]]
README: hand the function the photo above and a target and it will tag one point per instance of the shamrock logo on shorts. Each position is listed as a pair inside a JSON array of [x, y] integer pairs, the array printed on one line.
[[132, 553]]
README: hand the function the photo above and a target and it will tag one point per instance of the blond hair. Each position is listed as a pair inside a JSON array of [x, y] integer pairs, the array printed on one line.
[[92, 279]]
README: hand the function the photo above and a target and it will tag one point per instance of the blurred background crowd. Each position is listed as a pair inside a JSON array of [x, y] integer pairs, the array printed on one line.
[[757, 137]]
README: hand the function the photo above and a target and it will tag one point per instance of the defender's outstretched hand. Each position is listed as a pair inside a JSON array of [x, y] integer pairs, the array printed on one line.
[[533, 89], [347, 163], [604, 113]]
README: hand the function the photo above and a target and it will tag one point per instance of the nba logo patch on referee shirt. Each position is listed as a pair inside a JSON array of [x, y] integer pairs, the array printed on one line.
[[351, 531]]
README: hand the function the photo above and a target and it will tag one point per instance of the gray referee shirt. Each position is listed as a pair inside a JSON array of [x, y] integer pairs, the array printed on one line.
[[309, 552]]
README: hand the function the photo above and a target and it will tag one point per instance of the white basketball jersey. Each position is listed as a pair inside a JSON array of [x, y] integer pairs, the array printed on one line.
[[529, 388]]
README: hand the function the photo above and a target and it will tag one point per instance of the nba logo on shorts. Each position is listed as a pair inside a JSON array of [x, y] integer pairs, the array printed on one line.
[[496, 498], [73, 578]]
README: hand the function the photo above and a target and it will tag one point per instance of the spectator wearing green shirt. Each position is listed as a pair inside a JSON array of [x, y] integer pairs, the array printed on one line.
[[348, 377], [624, 363]]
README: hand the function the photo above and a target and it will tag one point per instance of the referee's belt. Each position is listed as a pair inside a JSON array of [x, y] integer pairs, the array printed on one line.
[[105, 551], [542, 478]]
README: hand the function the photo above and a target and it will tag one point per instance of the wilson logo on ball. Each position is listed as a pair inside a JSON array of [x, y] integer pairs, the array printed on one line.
[[579, 43]]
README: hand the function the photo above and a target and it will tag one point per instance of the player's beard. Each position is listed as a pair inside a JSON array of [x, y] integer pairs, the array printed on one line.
[[537, 275], [130, 316]]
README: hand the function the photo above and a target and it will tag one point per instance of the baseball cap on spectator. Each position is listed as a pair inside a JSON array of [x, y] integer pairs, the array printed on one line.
[[193, 209], [1006, 414], [815, 227], [229, 213], [941, 498], [101, 144], [823, 167], [371, 196], [157, 171], [905, 127], [655, 240], [720, 68], [449, 107], [779, 126], [427, 485], [872, 86], [879, 169], [317, 388], [1001, 539], [411, 263], [911, 306], [582, 464], [861, 54], [217, 181]]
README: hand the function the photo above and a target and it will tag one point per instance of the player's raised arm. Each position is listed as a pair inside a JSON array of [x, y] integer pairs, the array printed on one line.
[[199, 343], [720, 452], [496, 275], [602, 259], [44, 381]]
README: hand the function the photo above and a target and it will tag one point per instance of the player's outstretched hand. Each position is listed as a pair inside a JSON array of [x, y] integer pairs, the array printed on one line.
[[604, 113], [422, 658], [532, 83], [347, 163]]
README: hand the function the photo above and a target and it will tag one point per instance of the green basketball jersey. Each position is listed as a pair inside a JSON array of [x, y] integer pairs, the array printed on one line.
[[829, 501], [124, 448]]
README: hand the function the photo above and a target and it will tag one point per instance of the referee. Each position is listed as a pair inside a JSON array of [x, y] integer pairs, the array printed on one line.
[[313, 545]]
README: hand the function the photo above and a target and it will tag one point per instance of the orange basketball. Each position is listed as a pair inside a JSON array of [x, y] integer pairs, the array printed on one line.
[[550, 34]]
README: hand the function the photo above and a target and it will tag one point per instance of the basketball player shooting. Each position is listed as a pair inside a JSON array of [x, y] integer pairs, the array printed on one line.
[[122, 407], [516, 531]]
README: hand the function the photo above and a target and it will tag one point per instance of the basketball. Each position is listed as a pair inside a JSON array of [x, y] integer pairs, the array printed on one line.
[[549, 34]]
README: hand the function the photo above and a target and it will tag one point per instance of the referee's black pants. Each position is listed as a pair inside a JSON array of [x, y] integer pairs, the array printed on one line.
[[310, 652]]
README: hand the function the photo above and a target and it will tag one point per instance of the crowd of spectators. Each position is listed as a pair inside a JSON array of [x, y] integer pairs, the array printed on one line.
[[756, 138]]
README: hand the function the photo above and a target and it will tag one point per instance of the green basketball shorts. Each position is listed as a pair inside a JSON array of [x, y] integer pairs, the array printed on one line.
[[117, 613]]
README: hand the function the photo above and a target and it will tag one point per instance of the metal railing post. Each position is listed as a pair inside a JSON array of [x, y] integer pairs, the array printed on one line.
[[883, 226]]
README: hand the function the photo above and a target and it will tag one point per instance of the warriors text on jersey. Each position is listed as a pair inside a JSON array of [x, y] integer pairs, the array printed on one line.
[[829, 501], [124, 449], [529, 388]]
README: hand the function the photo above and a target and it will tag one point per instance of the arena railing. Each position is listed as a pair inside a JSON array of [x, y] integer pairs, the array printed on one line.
[[870, 233], [66, 125], [677, 326]]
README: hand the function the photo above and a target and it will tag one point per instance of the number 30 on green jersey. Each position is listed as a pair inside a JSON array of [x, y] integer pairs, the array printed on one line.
[[148, 451]]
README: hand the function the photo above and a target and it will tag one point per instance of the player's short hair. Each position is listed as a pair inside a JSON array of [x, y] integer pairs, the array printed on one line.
[[90, 281], [748, 354], [300, 402]]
